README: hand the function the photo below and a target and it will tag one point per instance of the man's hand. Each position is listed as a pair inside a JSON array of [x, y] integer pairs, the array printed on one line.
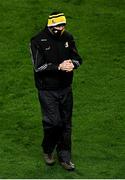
[[66, 65]]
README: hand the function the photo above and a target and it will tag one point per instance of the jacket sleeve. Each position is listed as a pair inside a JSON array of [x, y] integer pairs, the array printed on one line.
[[38, 60], [75, 57]]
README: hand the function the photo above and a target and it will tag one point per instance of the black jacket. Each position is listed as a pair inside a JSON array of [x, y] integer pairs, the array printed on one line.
[[47, 53]]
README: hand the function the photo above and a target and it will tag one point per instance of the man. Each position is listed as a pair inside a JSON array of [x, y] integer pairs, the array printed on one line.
[[54, 56]]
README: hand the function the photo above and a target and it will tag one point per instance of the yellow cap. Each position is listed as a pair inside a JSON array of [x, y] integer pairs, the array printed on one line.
[[55, 20]]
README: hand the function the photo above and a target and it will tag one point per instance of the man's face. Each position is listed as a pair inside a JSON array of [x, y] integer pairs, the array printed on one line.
[[58, 30]]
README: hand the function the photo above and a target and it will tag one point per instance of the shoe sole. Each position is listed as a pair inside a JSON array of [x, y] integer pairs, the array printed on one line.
[[67, 168]]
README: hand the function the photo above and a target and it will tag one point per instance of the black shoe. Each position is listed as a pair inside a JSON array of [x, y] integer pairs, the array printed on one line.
[[68, 166], [49, 160]]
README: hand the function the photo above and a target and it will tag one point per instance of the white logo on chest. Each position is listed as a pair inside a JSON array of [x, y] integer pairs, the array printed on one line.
[[47, 48], [66, 44], [43, 39]]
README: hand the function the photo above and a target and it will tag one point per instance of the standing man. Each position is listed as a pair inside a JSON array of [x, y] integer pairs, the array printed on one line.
[[54, 57]]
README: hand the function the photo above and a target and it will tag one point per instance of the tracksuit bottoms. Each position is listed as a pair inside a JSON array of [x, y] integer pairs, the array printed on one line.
[[56, 106]]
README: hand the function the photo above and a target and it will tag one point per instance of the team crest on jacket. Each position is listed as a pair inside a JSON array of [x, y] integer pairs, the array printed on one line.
[[66, 45]]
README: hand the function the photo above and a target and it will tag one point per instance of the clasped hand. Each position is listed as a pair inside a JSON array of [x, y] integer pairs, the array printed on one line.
[[66, 65]]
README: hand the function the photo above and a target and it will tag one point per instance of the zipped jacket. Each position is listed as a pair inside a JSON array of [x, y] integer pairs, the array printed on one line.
[[47, 52]]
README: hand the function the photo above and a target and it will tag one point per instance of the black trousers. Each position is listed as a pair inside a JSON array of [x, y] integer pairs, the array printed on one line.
[[56, 108]]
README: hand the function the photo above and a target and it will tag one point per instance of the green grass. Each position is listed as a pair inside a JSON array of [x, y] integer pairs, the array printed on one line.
[[99, 89]]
